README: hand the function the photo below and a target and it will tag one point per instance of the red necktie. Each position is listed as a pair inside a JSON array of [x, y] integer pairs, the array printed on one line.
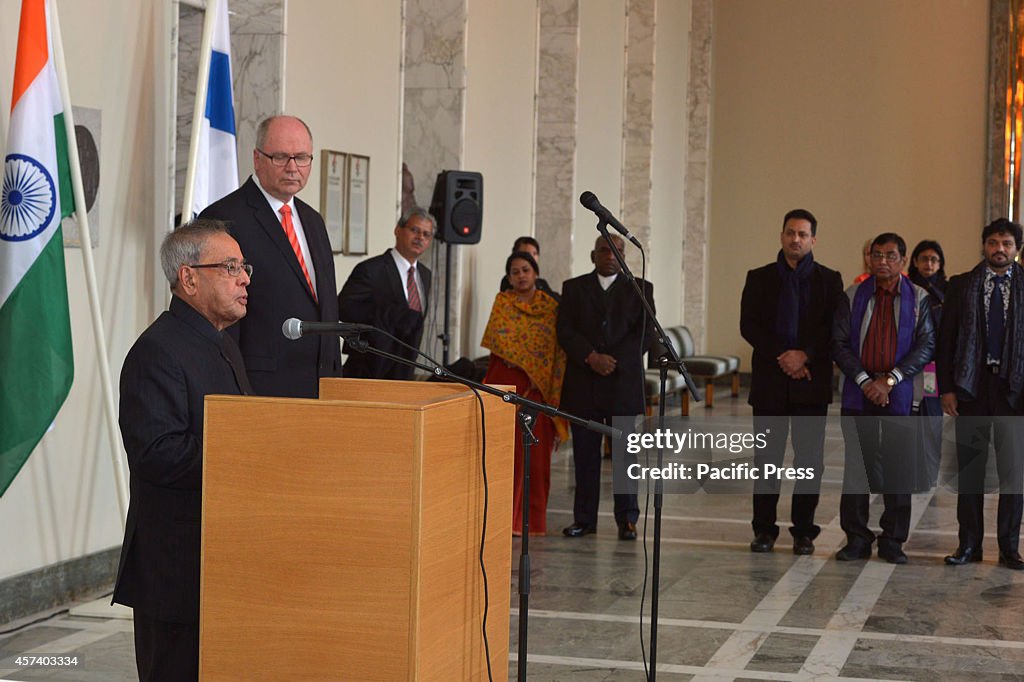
[[293, 239], [413, 290]]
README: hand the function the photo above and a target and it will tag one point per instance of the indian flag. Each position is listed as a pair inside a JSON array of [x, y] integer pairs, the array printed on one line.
[[36, 361]]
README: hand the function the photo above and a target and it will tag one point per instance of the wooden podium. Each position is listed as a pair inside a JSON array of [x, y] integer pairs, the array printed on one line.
[[341, 536]]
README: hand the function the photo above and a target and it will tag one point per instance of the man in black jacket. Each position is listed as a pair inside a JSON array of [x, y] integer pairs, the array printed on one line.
[[181, 358], [601, 327], [391, 292], [786, 315], [286, 241], [980, 370], [882, 336]]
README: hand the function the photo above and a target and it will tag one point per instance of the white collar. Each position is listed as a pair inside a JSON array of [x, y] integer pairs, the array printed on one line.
[[606, 280], [275, 203]]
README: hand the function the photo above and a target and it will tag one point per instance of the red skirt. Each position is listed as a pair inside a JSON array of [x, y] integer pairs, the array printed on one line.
[[540, 454]]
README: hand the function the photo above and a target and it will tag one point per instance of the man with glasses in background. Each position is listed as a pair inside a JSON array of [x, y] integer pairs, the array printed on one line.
[[390, 292], [286, 241], [181, 358], [882, 335]]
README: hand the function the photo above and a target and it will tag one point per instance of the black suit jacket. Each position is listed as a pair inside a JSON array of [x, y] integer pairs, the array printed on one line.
[[375, 294], [770, 387], [609, 322], [276, 365], [171, 368]]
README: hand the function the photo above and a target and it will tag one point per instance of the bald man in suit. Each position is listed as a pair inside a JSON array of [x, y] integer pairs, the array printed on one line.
[[601, 327], [286, 242]]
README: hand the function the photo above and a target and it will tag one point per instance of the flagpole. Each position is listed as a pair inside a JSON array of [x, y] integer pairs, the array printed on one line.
[[82, 216], [202, 86]]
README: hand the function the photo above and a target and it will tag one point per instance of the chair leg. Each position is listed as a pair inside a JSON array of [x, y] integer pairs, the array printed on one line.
[[684, 404], [735, 384], [709, 394]]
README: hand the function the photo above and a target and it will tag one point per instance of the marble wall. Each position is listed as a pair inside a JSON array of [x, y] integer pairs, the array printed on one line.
[[257, 64], [696, 191], [638, 125], [432, 135], [555, 154]]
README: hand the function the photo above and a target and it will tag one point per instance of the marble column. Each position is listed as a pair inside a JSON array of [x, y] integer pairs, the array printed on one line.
[[555, 155], [257, 65], [698, 172], [433, 122], [638, 125]]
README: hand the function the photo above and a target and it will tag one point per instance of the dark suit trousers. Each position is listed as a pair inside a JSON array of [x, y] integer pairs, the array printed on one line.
[[808, 438], [990, 418], [586, 452], [166, 652], [879, 459]]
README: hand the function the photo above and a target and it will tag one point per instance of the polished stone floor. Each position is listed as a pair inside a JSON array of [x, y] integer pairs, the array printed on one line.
[[724, 613]]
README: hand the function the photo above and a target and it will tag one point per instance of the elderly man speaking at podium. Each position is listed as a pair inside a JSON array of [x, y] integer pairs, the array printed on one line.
[[180, 359]]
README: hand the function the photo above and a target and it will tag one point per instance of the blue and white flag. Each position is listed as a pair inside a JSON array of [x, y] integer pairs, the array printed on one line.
[[217, 161]]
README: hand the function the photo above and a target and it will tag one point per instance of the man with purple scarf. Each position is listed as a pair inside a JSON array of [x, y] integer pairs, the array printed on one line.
[[786, 315], [980, 370], [881, 338]]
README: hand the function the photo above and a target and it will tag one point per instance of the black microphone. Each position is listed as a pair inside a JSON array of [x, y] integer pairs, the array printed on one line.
[[294, 328], [589, 200]]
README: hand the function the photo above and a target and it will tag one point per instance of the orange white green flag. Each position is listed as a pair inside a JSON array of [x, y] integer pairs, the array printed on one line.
[[36, 359]]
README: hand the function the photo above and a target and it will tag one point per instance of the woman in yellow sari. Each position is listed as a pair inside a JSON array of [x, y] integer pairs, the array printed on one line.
[[524, 351]]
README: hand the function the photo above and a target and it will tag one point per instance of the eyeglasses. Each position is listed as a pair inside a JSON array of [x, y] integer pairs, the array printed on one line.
[[233, 267], [891, 257], [425, 234], [282, 159]]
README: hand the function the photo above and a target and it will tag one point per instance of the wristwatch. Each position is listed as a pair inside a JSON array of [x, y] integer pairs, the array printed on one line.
[[890, 380]]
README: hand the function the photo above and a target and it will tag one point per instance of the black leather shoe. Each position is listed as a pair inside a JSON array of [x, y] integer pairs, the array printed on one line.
[[762, 542], [802, 545], [964, 555], [627, 531], [853, 552], [578, 530], [1011, 560], [892, 553]]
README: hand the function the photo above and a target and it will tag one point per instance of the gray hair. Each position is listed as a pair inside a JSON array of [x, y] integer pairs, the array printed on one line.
[[185, 246], [417, 212], [264, 128]]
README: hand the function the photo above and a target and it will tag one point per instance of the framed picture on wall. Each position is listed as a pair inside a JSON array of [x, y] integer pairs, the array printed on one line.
[[358, 204], [334, 195]]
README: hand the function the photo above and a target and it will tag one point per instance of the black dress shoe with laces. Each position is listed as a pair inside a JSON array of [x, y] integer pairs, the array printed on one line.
[[1011, 560], [852, 552], [762, 542], [964, 555], [892, 553], [578, 530], [803, 545], [627, 531]]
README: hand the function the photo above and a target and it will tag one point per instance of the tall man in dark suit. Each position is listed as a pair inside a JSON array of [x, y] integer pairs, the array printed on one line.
[[390, 291], [980, 370], [182, 357], [786, 315], [601, 327], [286, 241]]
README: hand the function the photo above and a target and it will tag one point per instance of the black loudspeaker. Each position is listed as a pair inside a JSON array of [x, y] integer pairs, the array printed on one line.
[[458, 206]]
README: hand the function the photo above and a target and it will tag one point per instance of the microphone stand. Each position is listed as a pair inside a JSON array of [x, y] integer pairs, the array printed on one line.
[[669, 359], [527, 412]]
